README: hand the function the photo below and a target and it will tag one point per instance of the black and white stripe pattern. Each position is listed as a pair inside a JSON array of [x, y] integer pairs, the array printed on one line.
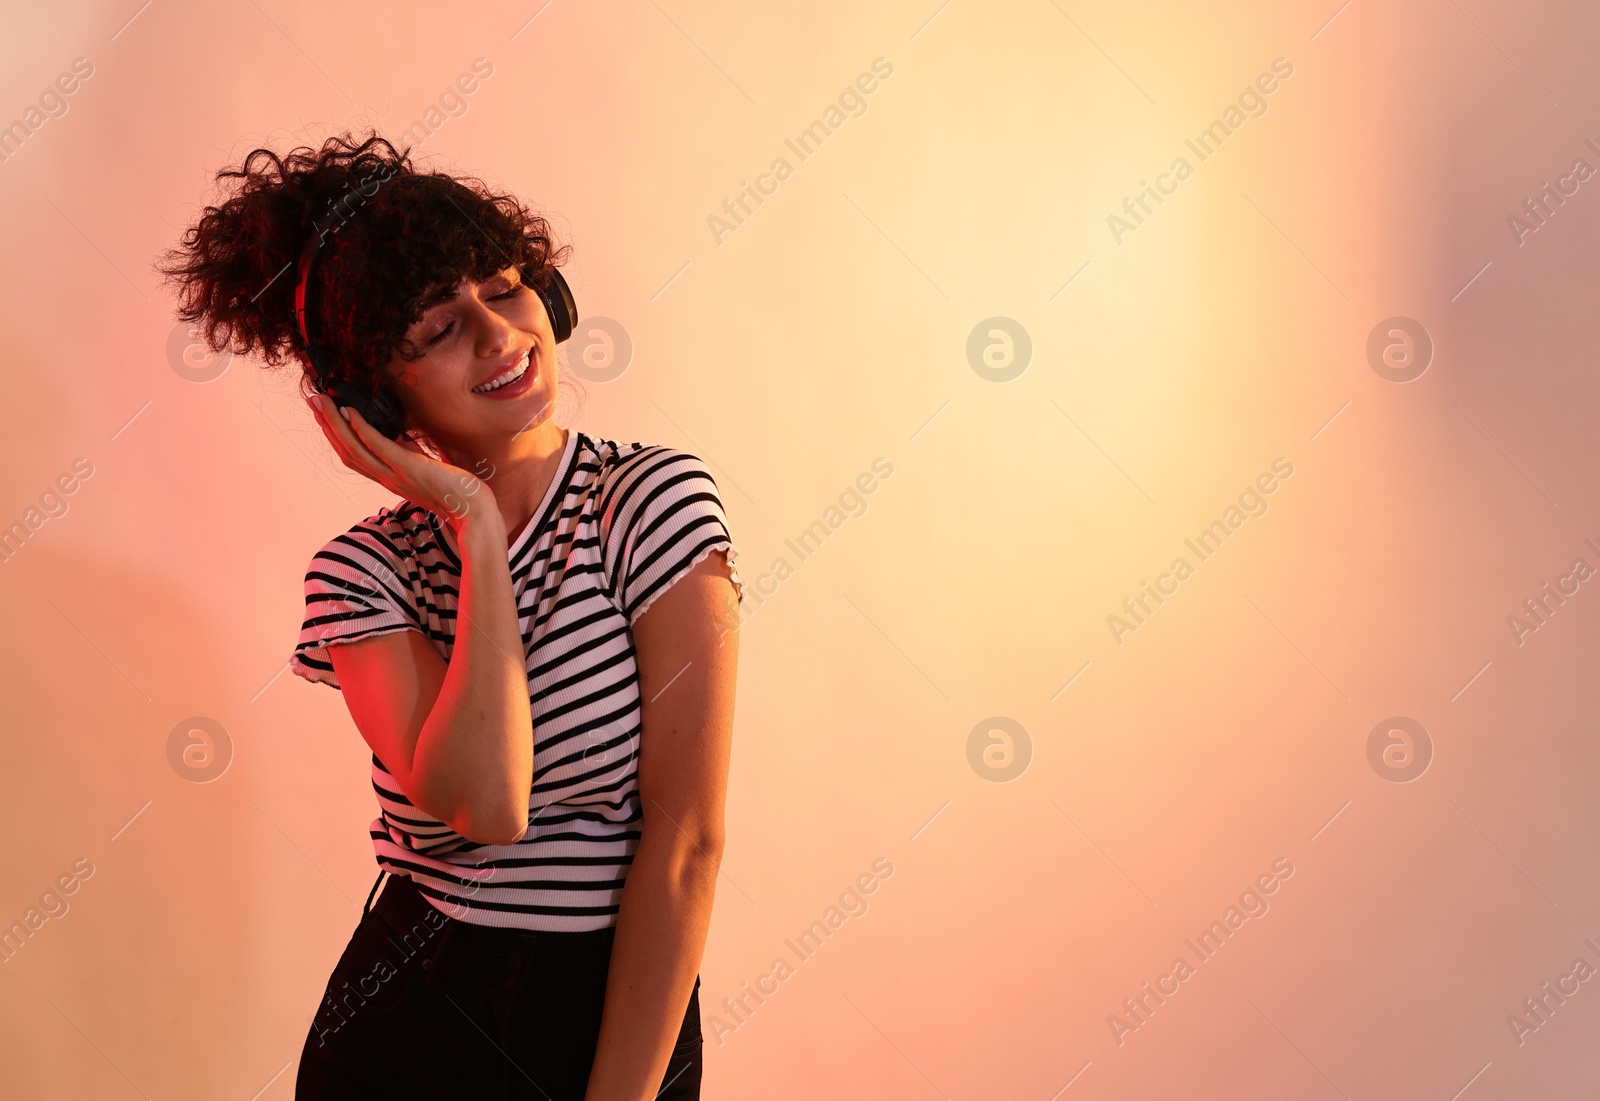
[[619, 524]]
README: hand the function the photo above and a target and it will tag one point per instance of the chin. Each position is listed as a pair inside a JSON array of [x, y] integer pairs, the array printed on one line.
[[532, 411]]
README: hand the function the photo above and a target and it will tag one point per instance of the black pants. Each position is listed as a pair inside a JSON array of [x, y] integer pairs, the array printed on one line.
[[423, 1005]]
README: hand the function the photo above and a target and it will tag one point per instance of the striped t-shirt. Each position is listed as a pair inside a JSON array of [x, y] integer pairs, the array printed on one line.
[[617, 526]]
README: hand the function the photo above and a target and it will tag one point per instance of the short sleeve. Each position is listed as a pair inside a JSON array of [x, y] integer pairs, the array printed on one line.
[[665, 516], [354, 589]]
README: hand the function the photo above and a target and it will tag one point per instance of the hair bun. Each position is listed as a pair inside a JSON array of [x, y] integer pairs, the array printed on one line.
[[233, 267]]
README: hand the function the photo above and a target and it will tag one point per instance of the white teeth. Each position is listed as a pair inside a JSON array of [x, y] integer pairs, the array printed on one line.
[[508, 378]]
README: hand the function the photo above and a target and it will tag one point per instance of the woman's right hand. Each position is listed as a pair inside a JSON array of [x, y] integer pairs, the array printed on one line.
[[402, 467]]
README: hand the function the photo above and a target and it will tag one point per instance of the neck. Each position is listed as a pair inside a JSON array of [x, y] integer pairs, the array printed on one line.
[[517, 469]]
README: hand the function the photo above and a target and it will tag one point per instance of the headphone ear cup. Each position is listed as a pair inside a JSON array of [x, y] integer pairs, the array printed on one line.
[[381, 410], [560, 305], [387, 415]]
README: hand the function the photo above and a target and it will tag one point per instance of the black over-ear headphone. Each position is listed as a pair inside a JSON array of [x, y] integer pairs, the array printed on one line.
[[380, 409]]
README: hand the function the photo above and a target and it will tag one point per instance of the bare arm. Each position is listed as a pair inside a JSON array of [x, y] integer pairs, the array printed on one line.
[[687, 661], [458, 736]]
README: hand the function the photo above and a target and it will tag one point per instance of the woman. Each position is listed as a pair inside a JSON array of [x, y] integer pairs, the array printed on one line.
[[537, 642]]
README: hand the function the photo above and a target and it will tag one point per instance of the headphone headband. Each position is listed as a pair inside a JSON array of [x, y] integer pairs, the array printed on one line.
[[306, 256]]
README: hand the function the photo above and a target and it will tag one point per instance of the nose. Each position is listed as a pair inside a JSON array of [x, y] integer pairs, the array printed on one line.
[[494, 333]]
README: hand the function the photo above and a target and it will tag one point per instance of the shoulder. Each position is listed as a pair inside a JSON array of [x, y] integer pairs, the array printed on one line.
[[632, 476], [660, 514], [369, 579], [389, 541]]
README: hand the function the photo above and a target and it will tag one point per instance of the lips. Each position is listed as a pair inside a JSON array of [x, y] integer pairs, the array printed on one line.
[[508, 375]]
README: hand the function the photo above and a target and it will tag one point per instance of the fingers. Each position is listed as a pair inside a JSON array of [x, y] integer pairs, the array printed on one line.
[[351, 448], [337, 435], [412, 468], [402, 467], [399, 458], [380, 447]]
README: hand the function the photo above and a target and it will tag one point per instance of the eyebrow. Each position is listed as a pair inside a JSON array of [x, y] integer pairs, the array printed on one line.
[[455, 292]]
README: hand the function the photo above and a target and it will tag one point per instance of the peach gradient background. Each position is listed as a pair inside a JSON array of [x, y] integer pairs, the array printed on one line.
[[830, 330]]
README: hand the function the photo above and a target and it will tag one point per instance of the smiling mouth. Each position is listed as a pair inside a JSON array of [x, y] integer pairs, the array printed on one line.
[[508, 376]]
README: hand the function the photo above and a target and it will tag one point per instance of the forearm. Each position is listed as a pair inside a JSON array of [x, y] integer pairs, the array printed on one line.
[[660, 938], [476, 745]]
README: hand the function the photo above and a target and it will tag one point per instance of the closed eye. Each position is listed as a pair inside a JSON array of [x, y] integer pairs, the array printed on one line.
[[450, 328]]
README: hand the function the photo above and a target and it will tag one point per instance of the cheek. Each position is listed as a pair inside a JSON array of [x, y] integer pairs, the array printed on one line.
[[425, 387], [529, 315], [404, 381]]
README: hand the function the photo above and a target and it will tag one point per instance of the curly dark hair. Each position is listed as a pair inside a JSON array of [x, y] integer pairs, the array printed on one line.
[[396, 241]]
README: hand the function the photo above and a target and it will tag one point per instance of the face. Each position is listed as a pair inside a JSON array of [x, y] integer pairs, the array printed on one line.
[[458, 392]]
